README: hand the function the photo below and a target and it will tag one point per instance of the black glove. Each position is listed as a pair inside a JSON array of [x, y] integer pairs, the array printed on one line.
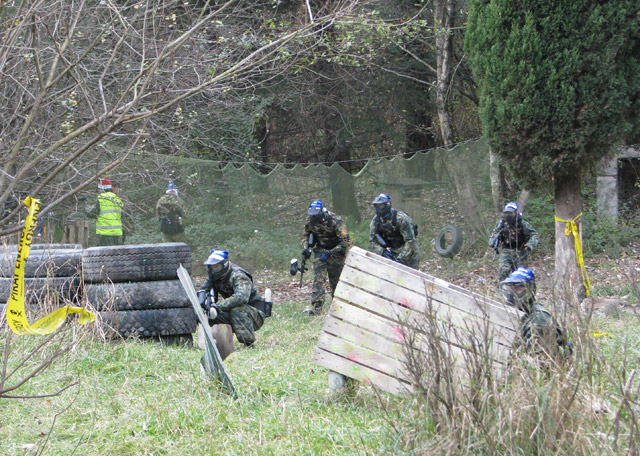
[[387, 254], [324, 256], [306, 253]]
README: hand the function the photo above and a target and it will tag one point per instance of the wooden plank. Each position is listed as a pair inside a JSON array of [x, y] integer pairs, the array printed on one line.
[[396, 332], [379, 302], [422, 284], [412, 289], [364, 374], [397, 304], [405, 276], [362, 355], [396, 312], [365, 319], [359, 336]]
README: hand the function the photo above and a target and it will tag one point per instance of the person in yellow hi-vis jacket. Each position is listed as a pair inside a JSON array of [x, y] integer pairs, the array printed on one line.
[[108, 214]]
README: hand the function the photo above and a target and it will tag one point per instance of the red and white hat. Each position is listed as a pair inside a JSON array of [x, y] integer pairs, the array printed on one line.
[[105, 184]]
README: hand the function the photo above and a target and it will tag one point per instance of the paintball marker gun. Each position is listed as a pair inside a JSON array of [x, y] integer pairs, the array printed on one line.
[[295, 268], [387, 250], [207, 303], [494, 242], [306, 254]]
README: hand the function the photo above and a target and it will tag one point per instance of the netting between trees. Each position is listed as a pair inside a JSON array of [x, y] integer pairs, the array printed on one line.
[[259, 217]]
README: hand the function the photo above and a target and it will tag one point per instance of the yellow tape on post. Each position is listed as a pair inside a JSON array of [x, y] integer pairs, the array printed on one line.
[[16, 315], [572, 228]]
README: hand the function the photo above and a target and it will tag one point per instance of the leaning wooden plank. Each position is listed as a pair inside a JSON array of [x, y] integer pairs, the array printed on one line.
[[412, 289], [405, 276], [363, 337], [362, 355], [397, 332], [400, 314], [398, 298], [410, 278], [378, 301], [362, 373]]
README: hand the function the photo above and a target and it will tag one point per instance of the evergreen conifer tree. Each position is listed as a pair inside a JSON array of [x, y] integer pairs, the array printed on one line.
[[559, 85]]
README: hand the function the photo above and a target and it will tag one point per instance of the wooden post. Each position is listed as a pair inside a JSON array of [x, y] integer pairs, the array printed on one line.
[[76, 232]]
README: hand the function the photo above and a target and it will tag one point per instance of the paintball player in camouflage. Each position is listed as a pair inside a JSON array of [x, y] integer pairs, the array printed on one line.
[[539, 332], [392, 233], [236, 301], [331, 242], [517, 239], [172, 214]]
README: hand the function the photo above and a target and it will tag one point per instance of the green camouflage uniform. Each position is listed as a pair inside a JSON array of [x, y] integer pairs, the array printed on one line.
[[516, 241], [539, 333], [235, 299], [331, 238], [398, 235], [172, 214]]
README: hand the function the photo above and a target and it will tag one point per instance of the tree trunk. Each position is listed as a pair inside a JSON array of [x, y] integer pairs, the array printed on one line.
[[496, 183], [568, 287], [444, 12], [522, 200]]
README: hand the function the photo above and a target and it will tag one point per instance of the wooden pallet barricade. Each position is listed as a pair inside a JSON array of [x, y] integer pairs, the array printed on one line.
[[378, 302]]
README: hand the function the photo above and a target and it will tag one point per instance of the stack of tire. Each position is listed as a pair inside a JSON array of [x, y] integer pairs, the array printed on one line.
[[52, 276], [136, 292]]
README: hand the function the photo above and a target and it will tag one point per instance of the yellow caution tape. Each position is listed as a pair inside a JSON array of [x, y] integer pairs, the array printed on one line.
[[572, 228], [16, 316]]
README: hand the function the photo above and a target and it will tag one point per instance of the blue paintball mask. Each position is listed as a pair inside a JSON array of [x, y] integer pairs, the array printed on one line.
[[382, 205], [217, 264], [316, 212]]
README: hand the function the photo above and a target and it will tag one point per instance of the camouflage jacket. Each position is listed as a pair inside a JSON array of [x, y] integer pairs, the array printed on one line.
[[539, 327], [331, 234], [404, 228], [515, 236], [234, 289], [172, 207]]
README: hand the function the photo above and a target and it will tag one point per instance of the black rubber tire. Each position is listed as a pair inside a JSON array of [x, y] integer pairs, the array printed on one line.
[[44, 263], [158, 294], [149, 323], [176, 340], [449, 241], [35, 290], [132, 263], [14, 247]]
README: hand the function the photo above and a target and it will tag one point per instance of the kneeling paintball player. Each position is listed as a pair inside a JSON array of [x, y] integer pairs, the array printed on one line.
[[540, 334], [235, 301]]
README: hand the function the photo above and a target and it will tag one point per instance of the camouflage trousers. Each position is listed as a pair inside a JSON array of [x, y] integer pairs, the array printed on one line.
[[244, 320], [510, 260], [107, 240], [178, 237], [323, 270]]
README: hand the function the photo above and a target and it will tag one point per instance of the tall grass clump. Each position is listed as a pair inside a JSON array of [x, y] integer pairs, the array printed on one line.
[[468, 403]]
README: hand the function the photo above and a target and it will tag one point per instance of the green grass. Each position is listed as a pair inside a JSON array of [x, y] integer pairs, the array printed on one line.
[[136, 398], [140, 398]]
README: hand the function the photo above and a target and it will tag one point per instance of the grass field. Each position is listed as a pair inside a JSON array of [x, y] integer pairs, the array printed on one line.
[[133, 398]]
